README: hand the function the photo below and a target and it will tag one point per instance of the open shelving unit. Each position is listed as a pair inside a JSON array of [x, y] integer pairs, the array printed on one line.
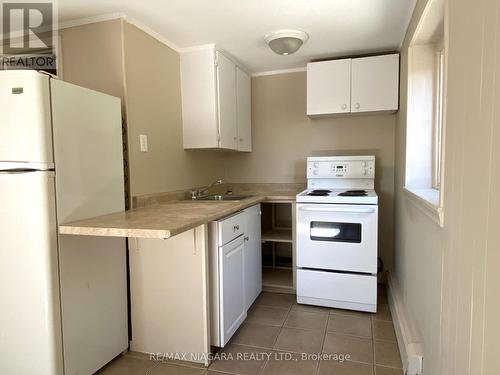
[[278, 246], [278, 235]]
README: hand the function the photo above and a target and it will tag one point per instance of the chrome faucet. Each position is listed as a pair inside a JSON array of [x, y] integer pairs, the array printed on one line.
[[202, 192]]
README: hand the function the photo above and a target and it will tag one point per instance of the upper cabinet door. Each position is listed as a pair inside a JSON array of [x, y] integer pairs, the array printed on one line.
[[243, 105], [226, 92], [375, 83], [328, 87]]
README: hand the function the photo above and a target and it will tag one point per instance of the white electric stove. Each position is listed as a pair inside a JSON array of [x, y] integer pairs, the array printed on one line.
[[337, 224]]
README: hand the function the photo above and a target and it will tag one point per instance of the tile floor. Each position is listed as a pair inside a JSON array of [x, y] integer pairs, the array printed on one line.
[[276, 333]]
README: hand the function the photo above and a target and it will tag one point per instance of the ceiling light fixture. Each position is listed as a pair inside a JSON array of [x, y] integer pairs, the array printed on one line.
[[286, 42]]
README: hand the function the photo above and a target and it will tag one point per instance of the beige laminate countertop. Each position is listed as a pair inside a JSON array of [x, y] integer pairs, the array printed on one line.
[[163, 220]]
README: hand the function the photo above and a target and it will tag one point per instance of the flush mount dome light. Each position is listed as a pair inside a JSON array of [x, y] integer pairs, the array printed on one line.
[[286, 42]]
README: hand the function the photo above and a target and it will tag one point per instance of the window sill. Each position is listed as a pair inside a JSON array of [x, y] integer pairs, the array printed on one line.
[[427, 200]]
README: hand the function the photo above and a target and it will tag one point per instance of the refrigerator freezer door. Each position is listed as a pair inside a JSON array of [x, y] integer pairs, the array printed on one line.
[[25, 121], [30, 330]]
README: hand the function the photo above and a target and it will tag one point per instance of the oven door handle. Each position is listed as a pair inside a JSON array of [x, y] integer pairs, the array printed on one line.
[[338, 209]]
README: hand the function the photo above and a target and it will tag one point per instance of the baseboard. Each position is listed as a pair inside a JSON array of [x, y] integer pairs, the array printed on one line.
[[410, 349]]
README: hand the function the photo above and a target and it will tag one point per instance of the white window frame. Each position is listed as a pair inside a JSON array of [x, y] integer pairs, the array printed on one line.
[[438, 126], [426, 112]]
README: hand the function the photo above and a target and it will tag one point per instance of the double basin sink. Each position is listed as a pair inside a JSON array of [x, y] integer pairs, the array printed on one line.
[[225, 197]]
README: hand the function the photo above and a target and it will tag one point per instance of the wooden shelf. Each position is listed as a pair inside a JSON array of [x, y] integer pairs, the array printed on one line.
[[278, 235]]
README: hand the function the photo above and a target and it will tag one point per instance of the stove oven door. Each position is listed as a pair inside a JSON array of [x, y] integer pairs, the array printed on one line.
[[337, 237]]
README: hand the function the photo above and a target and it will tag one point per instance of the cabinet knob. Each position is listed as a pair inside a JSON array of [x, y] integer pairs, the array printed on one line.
[[236, 227], [344, 106], [241, 139], [357, 106], [246, 238]]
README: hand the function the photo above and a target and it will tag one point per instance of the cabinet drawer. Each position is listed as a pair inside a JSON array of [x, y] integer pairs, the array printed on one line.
[[341, 287], [230, 228]]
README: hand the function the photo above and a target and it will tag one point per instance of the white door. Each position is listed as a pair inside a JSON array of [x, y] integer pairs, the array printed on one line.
[[329, 87], [25, 124], [88, 158], [30, 322], [375, 83], [232, 293], [337, 237], [226, 89], [252, 254], [244, 110]]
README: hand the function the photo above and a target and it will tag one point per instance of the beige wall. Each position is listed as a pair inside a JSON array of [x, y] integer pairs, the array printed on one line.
[[449, 276], [119, 59], [92, 56], [283, 137], [154, 108]]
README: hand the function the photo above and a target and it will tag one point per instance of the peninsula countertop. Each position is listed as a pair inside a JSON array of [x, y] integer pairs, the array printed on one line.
[[163, 220]]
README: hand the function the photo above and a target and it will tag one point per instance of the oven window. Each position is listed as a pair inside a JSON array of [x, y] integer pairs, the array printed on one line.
[[335, 232]]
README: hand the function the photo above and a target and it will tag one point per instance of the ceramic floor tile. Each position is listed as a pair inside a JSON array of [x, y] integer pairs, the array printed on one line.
[[239, 359], [379, 370], [171, 369], [276, 300], [383, 312], [138, 355], [383, 330], [282, 363], [306, 320], [272, 316], [387, 354], [359, 349], [359, 314], [311, 308], [256, 335], [344, 368], [299, 341], [350, 325], [125, 365], [159, 359]]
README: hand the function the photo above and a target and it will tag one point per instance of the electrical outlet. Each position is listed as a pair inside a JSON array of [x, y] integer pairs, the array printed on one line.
[[143, 139]]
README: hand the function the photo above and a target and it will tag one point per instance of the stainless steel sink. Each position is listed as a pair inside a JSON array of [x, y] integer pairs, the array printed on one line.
[[226, 197]]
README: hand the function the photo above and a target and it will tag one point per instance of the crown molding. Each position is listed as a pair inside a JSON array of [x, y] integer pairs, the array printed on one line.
[[113, 16], [280, 71]]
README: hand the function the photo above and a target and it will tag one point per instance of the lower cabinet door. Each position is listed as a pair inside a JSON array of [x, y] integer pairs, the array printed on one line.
[[232, 292], [252, 255]]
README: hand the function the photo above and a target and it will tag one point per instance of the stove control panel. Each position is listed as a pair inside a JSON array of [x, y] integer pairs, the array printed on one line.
[[341, 167]]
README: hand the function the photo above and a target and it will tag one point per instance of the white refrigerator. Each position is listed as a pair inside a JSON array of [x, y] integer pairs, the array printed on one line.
[[63, 299]]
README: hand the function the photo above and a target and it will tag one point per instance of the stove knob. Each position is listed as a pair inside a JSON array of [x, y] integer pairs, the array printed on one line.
[[315, 164], [364, 172], [315, 172]]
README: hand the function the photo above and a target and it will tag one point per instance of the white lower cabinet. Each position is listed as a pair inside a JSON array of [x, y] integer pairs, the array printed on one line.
[[231, 289], [252, 258], [235, 271]]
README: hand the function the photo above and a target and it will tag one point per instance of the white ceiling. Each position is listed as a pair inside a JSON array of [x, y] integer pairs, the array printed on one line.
[[335, 27]]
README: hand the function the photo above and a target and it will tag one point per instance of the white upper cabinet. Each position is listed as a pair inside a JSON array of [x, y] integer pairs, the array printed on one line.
[[215, 101], [375, 83], [367, 84], [329, 87], [244, 110], [226, 94]]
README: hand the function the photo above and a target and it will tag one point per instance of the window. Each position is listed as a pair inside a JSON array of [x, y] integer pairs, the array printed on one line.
[[425, 115], [438, 121]]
